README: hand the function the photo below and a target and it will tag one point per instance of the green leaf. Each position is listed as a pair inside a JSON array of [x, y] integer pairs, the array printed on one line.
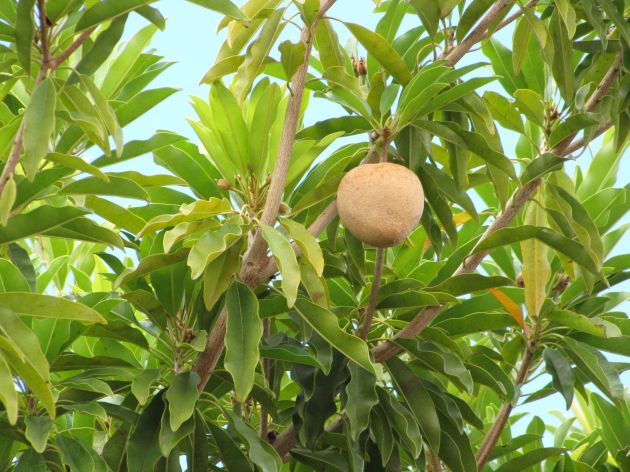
[[226, 66], [617, 16], [540, 166], [453, 94], [8, 395], [530, 104], [595, 367], [39, 122], [382, 51], [31, 461], [37, 430], [150, 264], [290, 351], [573, 124], [503, 111], [469, 140], [530, 458], [7, 199], [79, 456], [101, 48], [182, 397], [291, 56], [501, 59], [572, 249], [24, 354], [104, 11], [141, 103], [143, 447], [471, 15], [614, 430], [84, 229], [168, 438], [325, 323], [260, 452], [228, 123], [210, 246], [116, 187], [560, 370], [327, 44], [257, 53], [218, 275], [562, 64], [429, 13], [230, 453], [76, 163], [418, 399], [307, 243], [520, 40], [285, 258], [48, 306], [581, 323], [226, 7], [119, 216], [362, 397], [467, 283], [536, 269], [141, 384], [24, 32], [243, 334], [121, 67]]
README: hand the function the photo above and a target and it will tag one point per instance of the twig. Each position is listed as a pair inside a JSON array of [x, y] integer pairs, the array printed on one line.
[[76, 44], [255, 260]]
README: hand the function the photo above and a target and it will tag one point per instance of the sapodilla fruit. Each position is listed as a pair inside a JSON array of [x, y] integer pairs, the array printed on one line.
[[380, 204]]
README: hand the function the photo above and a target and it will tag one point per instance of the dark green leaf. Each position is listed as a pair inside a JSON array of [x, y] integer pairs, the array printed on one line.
[[418, 399]]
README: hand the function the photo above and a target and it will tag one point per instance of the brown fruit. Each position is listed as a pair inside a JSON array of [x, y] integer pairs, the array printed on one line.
[[380, 204]]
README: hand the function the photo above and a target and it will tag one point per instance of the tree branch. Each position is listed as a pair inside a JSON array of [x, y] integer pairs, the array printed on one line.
[[479, 32], [255, 260], [494, 433], [76, 44]]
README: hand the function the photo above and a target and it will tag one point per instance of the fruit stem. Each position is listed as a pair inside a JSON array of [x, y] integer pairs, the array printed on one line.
[[364, 329]]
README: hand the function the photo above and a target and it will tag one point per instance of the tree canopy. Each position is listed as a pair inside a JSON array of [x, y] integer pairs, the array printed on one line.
[[218, 315]]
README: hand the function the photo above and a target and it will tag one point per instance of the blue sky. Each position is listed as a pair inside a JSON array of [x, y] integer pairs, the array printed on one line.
[[191, 39]]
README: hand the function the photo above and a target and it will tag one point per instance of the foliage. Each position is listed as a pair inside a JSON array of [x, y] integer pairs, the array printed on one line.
[[120, 290]]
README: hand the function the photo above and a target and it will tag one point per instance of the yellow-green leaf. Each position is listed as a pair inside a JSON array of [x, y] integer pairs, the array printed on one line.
[[536, 269]]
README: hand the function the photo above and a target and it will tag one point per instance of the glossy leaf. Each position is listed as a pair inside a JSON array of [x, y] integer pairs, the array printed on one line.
[[564, 245], [285, 258], [325, 323], [182, 397], [417, 398], [243, 334], [39, 121]]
